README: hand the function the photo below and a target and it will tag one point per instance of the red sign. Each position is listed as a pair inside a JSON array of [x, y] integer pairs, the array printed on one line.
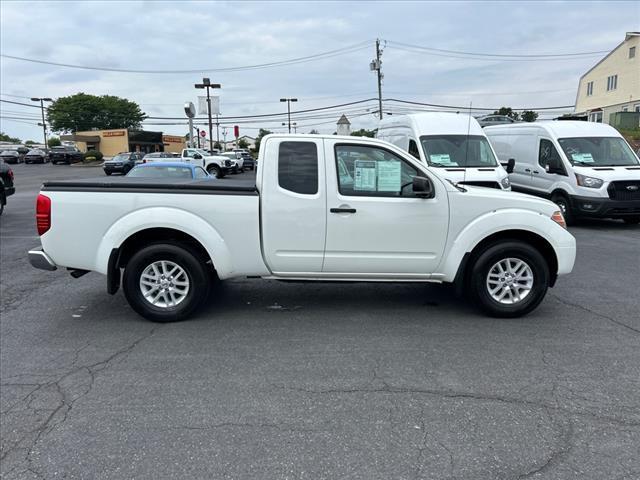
[[236, 131], [203, 133]]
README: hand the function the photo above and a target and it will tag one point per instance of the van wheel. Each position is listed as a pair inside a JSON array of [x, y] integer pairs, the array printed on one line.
[[632, 220], [215, 171], [165, 282], [509, 279], [565, 207]]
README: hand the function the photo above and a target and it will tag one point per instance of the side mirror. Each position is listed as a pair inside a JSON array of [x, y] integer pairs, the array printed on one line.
[[422, 187], [197, 156], [511, 163], [553, 169]]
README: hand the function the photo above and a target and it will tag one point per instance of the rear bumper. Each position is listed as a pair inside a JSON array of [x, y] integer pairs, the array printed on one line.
[[9, 191], [598, 207], [39, 259], [115, 168]]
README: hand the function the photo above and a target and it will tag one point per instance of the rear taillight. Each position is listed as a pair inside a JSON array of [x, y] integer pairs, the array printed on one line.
[[10, 173], [43, 214]]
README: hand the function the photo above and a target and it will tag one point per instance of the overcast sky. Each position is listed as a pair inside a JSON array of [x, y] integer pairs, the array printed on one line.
[[203, 35]]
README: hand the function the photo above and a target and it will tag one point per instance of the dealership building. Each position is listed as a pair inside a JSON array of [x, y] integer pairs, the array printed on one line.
[[112, 142]]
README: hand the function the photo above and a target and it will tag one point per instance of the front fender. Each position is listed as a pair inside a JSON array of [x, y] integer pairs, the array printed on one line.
[[165, 217], [503, 220]]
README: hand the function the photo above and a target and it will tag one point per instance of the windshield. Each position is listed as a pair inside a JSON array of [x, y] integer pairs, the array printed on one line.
[[160, 172], [203, 152], [458, 151], [120, 158], [598, 151]]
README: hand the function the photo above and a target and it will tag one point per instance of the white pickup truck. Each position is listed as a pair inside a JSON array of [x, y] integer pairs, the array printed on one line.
[[216, 165], [324, 208]]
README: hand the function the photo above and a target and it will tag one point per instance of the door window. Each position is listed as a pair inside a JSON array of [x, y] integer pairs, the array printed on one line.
[[548, 155], [413, 149], [373, 172], [298, 167], [200, 173], [189, 153]]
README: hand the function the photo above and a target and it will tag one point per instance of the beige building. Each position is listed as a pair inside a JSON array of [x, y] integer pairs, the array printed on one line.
[[112, 142], [173, 143], [613, 84]]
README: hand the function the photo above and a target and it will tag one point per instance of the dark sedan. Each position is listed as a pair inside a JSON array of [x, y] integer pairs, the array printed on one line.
[[65, 154], [36, 156], [122, 163], [10, 156], [6, 184]]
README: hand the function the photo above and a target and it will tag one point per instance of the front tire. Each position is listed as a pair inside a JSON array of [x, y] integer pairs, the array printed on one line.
[[509, 279], [215, 171], [165, 282], [564, 205]]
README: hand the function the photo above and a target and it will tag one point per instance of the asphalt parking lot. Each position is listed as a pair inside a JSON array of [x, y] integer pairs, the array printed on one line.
[[279, 380]]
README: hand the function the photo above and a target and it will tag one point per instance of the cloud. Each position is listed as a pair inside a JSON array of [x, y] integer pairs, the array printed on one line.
[[199, 35]]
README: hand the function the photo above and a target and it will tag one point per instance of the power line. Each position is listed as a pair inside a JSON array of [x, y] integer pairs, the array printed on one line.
[[498, 55], [474, 108], [292, 61]]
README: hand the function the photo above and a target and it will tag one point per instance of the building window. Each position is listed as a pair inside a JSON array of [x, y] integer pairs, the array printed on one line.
[[589, 89], [595, 117], [612, 82], [632, 52], [625, 109], [636, 107]]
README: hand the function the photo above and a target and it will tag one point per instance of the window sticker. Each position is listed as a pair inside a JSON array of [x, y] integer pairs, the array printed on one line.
[[389, 176], [365, 173], [582, 157], [442, 159]]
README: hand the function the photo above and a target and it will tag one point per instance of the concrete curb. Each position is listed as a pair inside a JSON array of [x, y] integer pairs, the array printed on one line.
[[87, 165]]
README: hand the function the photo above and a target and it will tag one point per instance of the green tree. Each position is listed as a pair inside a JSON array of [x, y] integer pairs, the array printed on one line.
[[54, 142], [261, 134], [529, 116], [363, 132], [86, 112], [29, 142], [217, 145], [507, 111], [314, 132], [242, 143], [6, 138]]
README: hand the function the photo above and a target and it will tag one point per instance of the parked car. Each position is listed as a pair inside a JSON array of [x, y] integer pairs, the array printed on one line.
[[586, 168], [6, 184], [453, 144], [168, 170], [36, 156], [396, 220], [154, 156], [65, 154], [10, 156], [489, 120], [122, 163], [237, 161]]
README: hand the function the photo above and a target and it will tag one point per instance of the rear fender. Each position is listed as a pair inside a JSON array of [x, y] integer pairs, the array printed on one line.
[[163, 217]]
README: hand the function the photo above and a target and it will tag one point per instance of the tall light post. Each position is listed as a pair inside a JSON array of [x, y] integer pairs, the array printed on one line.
[[289, 100], [44, 124], [294, 125], [206, 83]]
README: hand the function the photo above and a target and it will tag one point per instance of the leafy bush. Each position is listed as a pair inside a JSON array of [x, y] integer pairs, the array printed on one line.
[[93, 156]]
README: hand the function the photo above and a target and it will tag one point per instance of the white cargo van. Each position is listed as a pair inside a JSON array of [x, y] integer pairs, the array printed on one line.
[[453, 144], [587, 168]]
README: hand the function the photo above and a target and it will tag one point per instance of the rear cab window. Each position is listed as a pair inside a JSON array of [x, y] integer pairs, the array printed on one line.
[[298, 167]]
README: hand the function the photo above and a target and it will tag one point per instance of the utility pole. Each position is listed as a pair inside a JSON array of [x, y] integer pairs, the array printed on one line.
[[198, 130], [44, 124], [376, 66], [289, 100], [206, 83], [217, 130], [224, 136]]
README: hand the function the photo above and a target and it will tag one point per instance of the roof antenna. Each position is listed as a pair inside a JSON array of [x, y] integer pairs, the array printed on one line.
[[466, 150]]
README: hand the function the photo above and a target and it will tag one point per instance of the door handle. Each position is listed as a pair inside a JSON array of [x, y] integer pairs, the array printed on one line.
[[536, 172], [528, 170], [343, 210]]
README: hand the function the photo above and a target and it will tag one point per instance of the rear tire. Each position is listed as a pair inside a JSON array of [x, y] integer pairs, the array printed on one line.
[[108, 173], [189, 292], [564, 205], [522, 287], [632, 220]]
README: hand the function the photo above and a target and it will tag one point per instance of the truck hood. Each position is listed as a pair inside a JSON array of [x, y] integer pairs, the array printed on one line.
[[608, 174], [498, 199], [471, 174]]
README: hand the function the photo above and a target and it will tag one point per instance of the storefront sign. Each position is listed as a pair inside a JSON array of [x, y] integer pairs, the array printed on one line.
[[117, 133], [172, 139]]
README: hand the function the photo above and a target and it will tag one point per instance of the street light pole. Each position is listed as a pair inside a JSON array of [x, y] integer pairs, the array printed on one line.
[[289, 100], [206, 83], [44, 124]]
